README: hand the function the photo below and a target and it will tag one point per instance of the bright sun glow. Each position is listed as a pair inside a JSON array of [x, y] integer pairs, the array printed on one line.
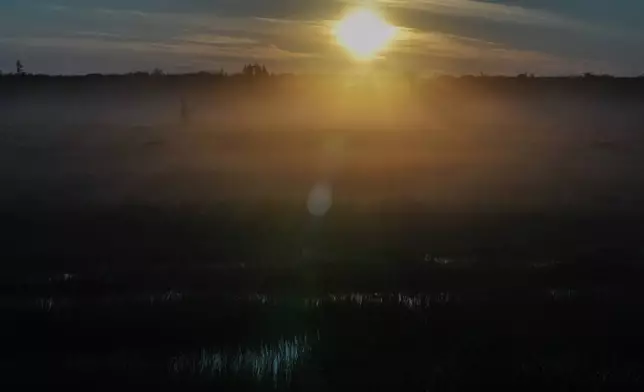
[[364, 33]]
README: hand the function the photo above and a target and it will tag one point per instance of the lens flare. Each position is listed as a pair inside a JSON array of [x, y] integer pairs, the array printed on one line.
[[320, 199]]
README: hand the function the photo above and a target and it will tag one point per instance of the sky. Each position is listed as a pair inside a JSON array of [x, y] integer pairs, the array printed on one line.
[[545, 37]]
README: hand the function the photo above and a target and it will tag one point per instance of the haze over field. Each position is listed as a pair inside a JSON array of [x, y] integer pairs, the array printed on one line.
[[449, 142], [524, 165]]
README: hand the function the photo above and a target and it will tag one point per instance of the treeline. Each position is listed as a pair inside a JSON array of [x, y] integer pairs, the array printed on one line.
[[252, 72], [258, 71], [258, 76]]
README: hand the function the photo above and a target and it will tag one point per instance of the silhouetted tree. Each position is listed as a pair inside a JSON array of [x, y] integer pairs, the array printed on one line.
[[158, 72], [255, 70], [248, 70], [20, 69]]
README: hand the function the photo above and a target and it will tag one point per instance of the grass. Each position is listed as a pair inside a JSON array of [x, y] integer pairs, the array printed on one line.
[[544, 336], [273, 363]]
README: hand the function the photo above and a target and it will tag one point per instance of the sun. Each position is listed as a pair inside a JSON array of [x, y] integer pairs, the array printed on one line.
[[364, 33]]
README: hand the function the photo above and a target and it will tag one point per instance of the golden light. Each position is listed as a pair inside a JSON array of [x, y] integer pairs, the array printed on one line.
[[364, 33]]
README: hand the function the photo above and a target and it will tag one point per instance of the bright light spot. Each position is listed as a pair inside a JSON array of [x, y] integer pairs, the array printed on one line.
[[364, 33], [320, 199]]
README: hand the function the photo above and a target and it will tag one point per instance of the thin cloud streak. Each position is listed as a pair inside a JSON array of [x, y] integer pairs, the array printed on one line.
[[432, 48], [491, 11], [176, 47]]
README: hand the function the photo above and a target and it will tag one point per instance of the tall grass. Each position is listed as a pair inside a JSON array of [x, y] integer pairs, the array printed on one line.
[[273, 363]]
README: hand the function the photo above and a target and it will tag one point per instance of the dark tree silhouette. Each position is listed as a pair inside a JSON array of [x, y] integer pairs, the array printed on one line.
[[248, 70], [20, 69], [255, 70]]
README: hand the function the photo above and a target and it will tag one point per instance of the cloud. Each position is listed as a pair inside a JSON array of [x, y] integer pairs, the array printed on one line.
[[218, 40], [314, 9], [447, 53], [210, 47], [456, 47], [491, 11]]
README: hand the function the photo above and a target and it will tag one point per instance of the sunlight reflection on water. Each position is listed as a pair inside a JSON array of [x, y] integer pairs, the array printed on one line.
[[274, 362]]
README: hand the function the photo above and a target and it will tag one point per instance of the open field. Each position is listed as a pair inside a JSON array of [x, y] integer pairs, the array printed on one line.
[[135, 196], [492, 239]]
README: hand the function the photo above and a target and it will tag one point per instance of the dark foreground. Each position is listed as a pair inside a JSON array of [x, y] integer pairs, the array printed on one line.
[[192, 258], [547, 326], [273, 298]]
